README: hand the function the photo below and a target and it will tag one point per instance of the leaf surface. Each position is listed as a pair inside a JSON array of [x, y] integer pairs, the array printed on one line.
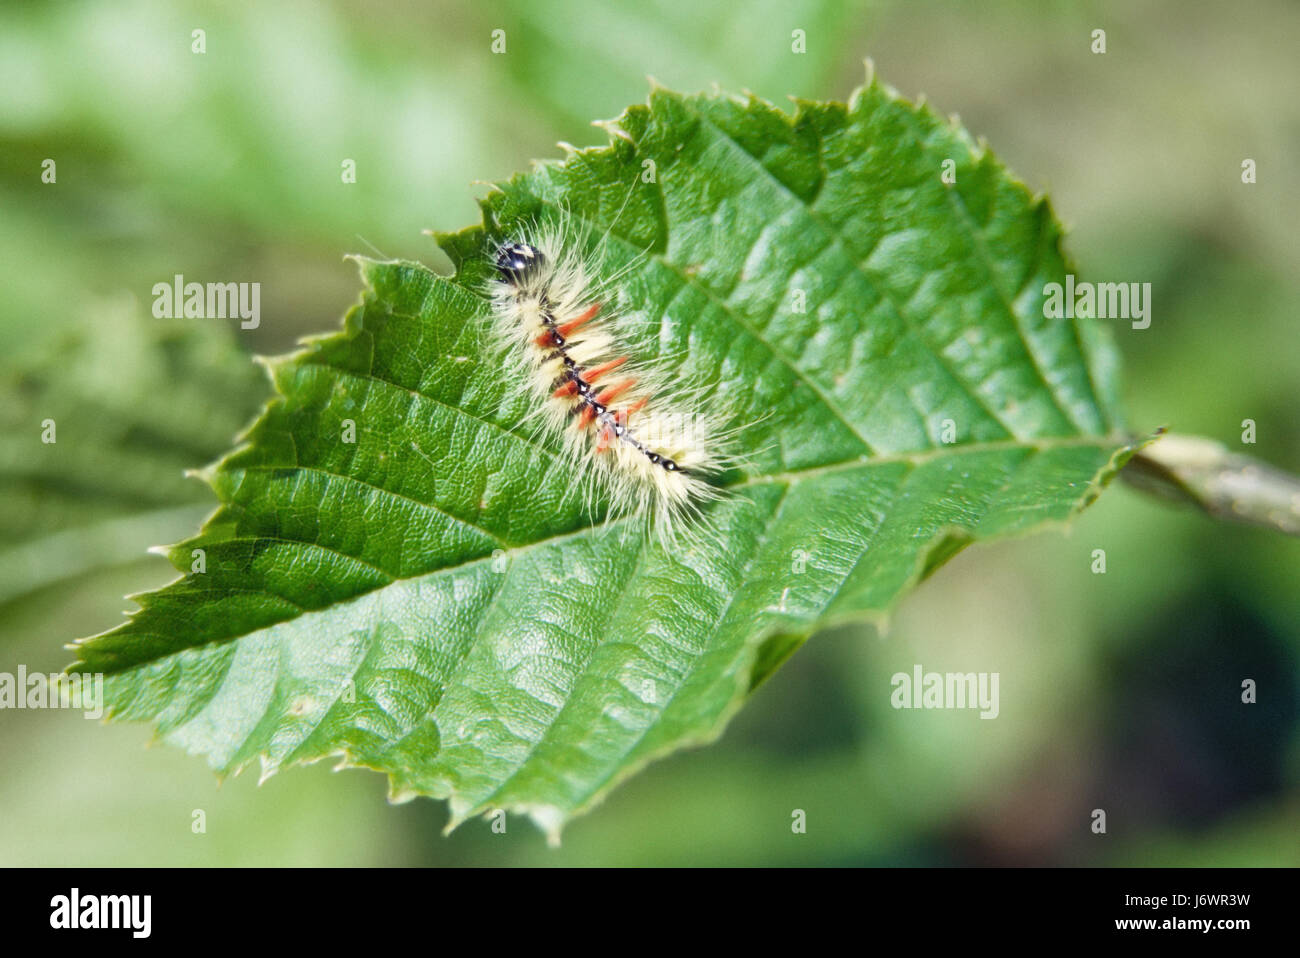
[[432, 601]]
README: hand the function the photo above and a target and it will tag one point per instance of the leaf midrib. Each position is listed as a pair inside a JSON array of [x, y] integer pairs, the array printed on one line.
[[791, 478]]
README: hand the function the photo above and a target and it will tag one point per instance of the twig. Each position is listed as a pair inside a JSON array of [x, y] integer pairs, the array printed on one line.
[[1224, 484]]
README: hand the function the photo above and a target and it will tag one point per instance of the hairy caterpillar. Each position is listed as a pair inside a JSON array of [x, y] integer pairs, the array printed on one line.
[[631, 436]]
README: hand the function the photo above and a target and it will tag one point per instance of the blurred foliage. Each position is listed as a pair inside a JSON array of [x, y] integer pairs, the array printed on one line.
[[1118, 690], [134, 402]]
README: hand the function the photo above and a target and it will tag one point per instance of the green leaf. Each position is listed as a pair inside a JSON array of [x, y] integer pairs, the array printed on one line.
[[432, 603]]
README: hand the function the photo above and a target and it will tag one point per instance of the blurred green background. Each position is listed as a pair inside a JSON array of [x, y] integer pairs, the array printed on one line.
[[1118, 691]]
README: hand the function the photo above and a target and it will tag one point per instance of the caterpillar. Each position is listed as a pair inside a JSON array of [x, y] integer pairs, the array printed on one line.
[[646, 447]]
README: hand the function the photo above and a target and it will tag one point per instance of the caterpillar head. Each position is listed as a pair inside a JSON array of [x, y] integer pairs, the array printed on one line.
[[515, 261]]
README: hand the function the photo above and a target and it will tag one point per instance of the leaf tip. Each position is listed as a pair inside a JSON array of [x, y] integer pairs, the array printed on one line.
[[267, 770], [613, 129], [202, 473]]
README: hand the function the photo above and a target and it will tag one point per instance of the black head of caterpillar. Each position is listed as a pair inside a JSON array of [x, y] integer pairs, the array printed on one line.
[[515, 261]]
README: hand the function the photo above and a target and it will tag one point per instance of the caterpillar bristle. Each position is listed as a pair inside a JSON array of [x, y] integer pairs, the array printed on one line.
[[643, 446]]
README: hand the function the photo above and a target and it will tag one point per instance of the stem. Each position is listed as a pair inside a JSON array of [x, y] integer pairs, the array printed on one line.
[[1223, 484]]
